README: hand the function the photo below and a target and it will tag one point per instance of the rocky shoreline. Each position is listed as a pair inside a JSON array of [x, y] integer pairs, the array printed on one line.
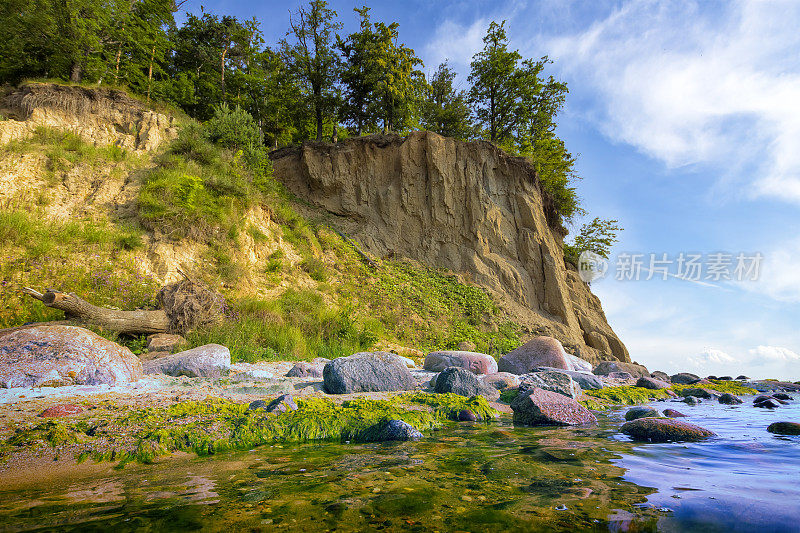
[[197, 401]]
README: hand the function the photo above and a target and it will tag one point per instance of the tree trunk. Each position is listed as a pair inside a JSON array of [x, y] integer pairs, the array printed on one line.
[[135, 322], [150, 72]]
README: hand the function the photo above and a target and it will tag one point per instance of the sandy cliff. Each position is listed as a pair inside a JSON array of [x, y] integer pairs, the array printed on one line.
[[467, 207]]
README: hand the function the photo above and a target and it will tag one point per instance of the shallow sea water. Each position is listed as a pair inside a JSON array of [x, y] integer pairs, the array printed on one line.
[[465, 477]]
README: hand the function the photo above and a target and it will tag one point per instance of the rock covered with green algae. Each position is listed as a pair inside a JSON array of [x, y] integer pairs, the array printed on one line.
[[635, 413], [215, 425], [784, 428], [664, 430]]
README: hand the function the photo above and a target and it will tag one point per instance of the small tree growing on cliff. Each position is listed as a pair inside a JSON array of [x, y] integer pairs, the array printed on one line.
[[445, 109], [598, 236]]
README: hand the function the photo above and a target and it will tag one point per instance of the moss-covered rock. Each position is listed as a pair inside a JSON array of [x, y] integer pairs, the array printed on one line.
[[784, 428], [664, 430]]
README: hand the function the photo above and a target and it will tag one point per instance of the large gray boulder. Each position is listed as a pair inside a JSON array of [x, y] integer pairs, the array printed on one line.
[[53, 356], [475, 362], [367, 372], [390, 430], [684, 378], [652, 383], [580, 365], [207, 361], [605, 368], [550, 380], [586, 381], [539, 351], [537, 407], [464, 383]]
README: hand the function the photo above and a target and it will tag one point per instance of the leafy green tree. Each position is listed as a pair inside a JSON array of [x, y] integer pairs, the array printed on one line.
[[598, 236], [359, 75], [313, 57], [494, 79], [444, 109]]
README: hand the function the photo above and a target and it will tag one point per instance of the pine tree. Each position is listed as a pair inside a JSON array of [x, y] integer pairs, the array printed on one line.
[[444, 109]]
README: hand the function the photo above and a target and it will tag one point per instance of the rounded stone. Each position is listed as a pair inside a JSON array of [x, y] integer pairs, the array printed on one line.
[[539, 351], [501, 380], [664, 430], [207, 361], [684, 378], [477, 363], [729, 399], [634, 413], [538, 407], [367, 372], [55, 356], [605, 368], [461, 381], [784, 428], [672, 413], [304, 369], [652, 383]]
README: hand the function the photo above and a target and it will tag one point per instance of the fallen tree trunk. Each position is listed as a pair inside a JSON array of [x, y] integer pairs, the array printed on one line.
[[134, 322]]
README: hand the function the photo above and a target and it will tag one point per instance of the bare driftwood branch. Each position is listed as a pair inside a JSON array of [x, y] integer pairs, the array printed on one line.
[[367, 259], [76, 308]]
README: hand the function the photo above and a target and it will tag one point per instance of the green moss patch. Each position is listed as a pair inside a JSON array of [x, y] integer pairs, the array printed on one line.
[[624, 395], [731, 387]]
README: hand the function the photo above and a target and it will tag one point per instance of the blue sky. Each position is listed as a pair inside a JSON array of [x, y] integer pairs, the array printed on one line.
[[686, 119]]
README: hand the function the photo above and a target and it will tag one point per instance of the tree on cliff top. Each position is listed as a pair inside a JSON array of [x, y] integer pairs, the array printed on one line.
[[444, 109], [313, 57]]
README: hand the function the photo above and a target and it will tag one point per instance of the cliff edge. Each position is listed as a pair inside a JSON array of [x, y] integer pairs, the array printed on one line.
[[464, 206]]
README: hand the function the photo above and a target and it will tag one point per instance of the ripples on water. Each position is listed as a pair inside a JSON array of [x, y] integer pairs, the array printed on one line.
[[465, 477]]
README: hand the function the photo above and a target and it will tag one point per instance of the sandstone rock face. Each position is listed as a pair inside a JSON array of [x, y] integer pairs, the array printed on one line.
[[664, 430], [538, 407], [466, 207], [537, 352], [64, 355], [98, 115], [208, 361], [477, 363], [605, 368], [367, 372]]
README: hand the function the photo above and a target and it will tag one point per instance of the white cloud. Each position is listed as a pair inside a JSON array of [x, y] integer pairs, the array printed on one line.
[[777, 273], [688, 84], [775, 353], [456, 43]]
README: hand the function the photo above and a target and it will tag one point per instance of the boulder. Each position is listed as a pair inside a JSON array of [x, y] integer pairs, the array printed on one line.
[[539, 351], [537, 407], [784, 428], [699, 392], [672, 413], [605, 368], [467, 346], [634, 413], [501, 380], [477, 363], [729, 399], [391, 430], [304, 369], [550, 380], [661, 376], [691, 400], [584, 380], [367, 372], [684, 378], [782, 396], [664, 430], [766, 402], [580, 365], [652, 383], [163, 342], [207, 361], [725, 378], [461, 381], [741, 377], [52, 356], [465, 415], [625, 376]]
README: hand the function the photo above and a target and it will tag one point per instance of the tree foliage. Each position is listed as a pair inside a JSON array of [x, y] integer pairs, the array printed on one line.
[[444, 109], [597, 236]]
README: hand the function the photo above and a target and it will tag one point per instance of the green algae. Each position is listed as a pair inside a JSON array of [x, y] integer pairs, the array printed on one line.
[[731, 387], [623, 395]]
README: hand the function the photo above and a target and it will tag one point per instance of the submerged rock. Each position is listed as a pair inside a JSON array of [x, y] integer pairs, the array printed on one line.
[[501, 380], [691, 400], [729, 399], [782, 396], [207, 361], [391, 430], [551, 380], [367, 372], [54, 356], [699, 392], [635, 413], [652, 383], [465, 415], [766, 402], [537, 407], [605, 368], [784, 428], [684, 378], [477, 363], [304, 369], [672, 413], [664, 430], [464, 383], [539, 351]]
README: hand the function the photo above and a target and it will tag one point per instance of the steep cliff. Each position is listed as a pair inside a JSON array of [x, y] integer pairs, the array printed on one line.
[[466, 207]]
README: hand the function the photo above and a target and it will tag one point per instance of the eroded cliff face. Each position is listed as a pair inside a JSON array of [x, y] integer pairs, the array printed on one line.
[[99, 115], [466, 207]]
